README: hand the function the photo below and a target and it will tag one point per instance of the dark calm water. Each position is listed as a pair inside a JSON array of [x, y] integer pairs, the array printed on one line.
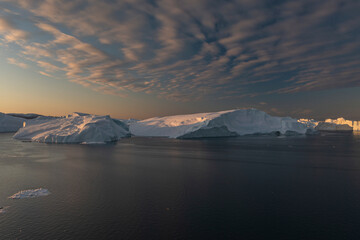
[[156, 188]]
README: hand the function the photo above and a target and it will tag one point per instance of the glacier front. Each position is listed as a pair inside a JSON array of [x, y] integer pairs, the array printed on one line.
[[218, 124], [75, 128]]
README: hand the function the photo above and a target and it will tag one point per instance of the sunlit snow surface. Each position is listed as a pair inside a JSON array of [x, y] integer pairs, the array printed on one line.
[[75, 128], [30, 193], [217, 124]]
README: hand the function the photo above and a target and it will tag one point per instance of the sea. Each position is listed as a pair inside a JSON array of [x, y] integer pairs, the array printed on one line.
[[250, 187]]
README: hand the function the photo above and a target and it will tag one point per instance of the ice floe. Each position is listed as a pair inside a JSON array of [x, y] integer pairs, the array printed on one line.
[[30, 193], [3, 209]]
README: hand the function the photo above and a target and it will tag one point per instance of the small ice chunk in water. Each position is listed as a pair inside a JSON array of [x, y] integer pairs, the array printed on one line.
[[3, 209], [30, 193]]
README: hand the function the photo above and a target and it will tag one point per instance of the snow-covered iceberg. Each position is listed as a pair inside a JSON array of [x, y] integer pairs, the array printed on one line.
[[355, 125], [75, 128], [218, 124], [30, 193], [9, 123]]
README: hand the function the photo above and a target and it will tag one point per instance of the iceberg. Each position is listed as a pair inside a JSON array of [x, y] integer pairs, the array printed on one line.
[[218, 124], [75, 128], [30, 193], [10, 123], [3, 209], [355, 125], [328, 126]]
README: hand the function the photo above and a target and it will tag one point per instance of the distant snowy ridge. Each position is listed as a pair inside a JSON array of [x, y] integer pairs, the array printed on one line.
[[25, 115], [10, 123], [30, 193], [75, 128], [218, 124]]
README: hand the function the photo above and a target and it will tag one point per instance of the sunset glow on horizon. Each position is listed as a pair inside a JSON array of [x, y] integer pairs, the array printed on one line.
[[139, 59]]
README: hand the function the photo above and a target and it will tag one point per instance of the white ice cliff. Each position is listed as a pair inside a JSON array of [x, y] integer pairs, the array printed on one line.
[[75, 128], [218, 124]]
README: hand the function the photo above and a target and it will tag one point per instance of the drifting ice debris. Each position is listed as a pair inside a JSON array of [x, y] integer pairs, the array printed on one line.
[[218, 124], [30, 193], [3, 209], [75, 128]]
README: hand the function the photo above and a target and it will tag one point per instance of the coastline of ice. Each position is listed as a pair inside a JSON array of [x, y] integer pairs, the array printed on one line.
[[218, 124], [75, 128], [30, 193]]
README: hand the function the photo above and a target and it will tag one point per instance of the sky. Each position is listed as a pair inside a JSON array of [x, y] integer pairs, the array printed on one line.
[[145, 58]]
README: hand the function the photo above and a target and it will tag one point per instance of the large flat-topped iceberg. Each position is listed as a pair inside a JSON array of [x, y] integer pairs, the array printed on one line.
[[75, 128], [217, 124], [9, 123]]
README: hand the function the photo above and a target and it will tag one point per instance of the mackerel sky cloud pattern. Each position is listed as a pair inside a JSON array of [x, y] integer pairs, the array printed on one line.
[[188, 50]]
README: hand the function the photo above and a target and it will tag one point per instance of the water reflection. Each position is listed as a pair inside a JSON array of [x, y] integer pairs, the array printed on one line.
[[187, 189]]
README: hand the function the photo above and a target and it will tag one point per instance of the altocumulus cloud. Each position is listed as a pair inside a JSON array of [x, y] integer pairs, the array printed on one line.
[[187, 50]]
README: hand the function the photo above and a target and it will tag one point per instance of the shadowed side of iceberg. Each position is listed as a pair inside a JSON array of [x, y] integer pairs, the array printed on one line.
[[210, 133]]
